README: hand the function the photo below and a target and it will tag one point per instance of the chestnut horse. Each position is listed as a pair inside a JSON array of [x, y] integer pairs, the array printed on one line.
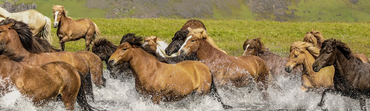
[[180, 36], [161, 81], [18, 37], [351, 76], [237, 71], [304, 53], [92, 60], [316, 38], [275, 62], [41, 83], [39, 24], [69, 30]]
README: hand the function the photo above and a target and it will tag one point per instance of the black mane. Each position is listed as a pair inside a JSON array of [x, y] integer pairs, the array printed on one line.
[[9, 53], [180, 35], [132, 39], [25, 35]]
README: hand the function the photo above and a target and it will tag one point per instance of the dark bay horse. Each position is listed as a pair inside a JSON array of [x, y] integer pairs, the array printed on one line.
[[42, 83], [275, 62], [70, 30], [92, 60], [304, 53], [18, 37], [316, 38], [237, 71], [351, 76], [161, 81]]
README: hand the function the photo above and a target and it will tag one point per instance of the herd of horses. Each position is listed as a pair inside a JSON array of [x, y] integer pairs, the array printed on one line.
[[191, 64]]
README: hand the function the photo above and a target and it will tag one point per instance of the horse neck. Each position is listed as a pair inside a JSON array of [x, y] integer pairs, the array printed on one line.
[[208, 53], [18, 48], [266, 54], [9, 66], [343, 63], [64, 20], [142, 63], [309, 60]]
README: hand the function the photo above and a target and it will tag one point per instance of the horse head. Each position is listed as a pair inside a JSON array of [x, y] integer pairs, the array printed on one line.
[[150, 44], [58, 12], [253, 47], [327, 55], [177, 40], [103, 48], [314, 37], [298, 54], [123, 51], [192, 42]]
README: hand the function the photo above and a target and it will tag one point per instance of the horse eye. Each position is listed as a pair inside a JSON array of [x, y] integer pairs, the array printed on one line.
[[295, 56], [192, 40], [124, 49], [252, 47], [327, 52]]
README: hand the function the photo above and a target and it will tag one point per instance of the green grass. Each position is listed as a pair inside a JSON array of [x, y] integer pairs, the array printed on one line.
[[231, 34]]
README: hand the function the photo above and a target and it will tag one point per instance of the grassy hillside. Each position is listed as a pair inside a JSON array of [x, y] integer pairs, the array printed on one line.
[[231, 34]]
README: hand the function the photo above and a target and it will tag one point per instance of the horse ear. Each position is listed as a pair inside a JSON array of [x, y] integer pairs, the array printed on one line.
[[155, 39], [190, 29], [204, 34], [334, 42], [10, 25], [312, 30]]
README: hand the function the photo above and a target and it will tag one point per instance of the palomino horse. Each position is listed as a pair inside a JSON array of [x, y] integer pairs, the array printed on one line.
[[237, 71], [92, 60], [275, 62], [304, 53], [351, 76], [316, 38], [69, 30], [168, 82], [41, 83], [39, 24], [180, 36], [18, 37], [156, 46]]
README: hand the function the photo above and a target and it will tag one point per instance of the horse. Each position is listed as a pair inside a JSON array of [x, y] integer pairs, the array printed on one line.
[[156, 46], [92, 60], [304, 53], [351, 77], [237, 71], [180, 36], [316, 38], [275, 62], [41, 83], [18, 37], [40, 25], [70, 30], [161, 81]]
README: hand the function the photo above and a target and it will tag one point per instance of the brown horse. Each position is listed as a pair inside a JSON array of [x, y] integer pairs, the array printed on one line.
[[69, 30], [42, 83], [351, 76], [180, 36], [237, 71], [18, 37], [316, 38], [275, 62], [304, 53], [40, 25], [92, 60], [168, 82]]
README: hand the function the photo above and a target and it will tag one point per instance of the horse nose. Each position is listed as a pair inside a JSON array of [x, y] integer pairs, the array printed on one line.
[[55, 24], [287, 69], [110, 62], [315, 68]]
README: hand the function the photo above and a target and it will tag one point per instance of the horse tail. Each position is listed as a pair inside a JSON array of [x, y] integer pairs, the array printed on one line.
[[97, 32], [81, 96], [46, 31], [216, 95]]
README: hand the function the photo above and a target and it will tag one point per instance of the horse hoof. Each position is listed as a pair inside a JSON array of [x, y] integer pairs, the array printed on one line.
[[227, 106]]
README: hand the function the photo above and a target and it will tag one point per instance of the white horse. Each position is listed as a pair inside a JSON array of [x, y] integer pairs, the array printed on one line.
[[39, 24]]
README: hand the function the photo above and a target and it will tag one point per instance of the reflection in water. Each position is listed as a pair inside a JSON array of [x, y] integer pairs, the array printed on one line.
[[121, 95]]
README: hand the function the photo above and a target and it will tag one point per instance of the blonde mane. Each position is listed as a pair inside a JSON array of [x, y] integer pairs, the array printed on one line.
[[3, 13], [314, 37], [59, 7], [201, 33], [303, 46]]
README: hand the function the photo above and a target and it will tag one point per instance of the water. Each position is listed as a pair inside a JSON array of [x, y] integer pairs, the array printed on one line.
[[120, 95]]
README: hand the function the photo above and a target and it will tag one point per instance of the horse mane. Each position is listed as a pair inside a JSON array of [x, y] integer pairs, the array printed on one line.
[[256, 42], [314, 36], [25, 35], [9, 53], [4, 13], [302, 46], [132, 39], [343, 47], [47, 46], [64, 12], [181, 35], [193, 23]]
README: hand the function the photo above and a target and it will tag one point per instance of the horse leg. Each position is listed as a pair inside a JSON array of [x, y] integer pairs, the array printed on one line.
[[363, 103], [88, 42], [322, 98], [216, 95], [306, 83], [156, 98]]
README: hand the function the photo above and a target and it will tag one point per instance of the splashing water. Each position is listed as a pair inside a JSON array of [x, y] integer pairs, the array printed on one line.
[[120, 94]]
